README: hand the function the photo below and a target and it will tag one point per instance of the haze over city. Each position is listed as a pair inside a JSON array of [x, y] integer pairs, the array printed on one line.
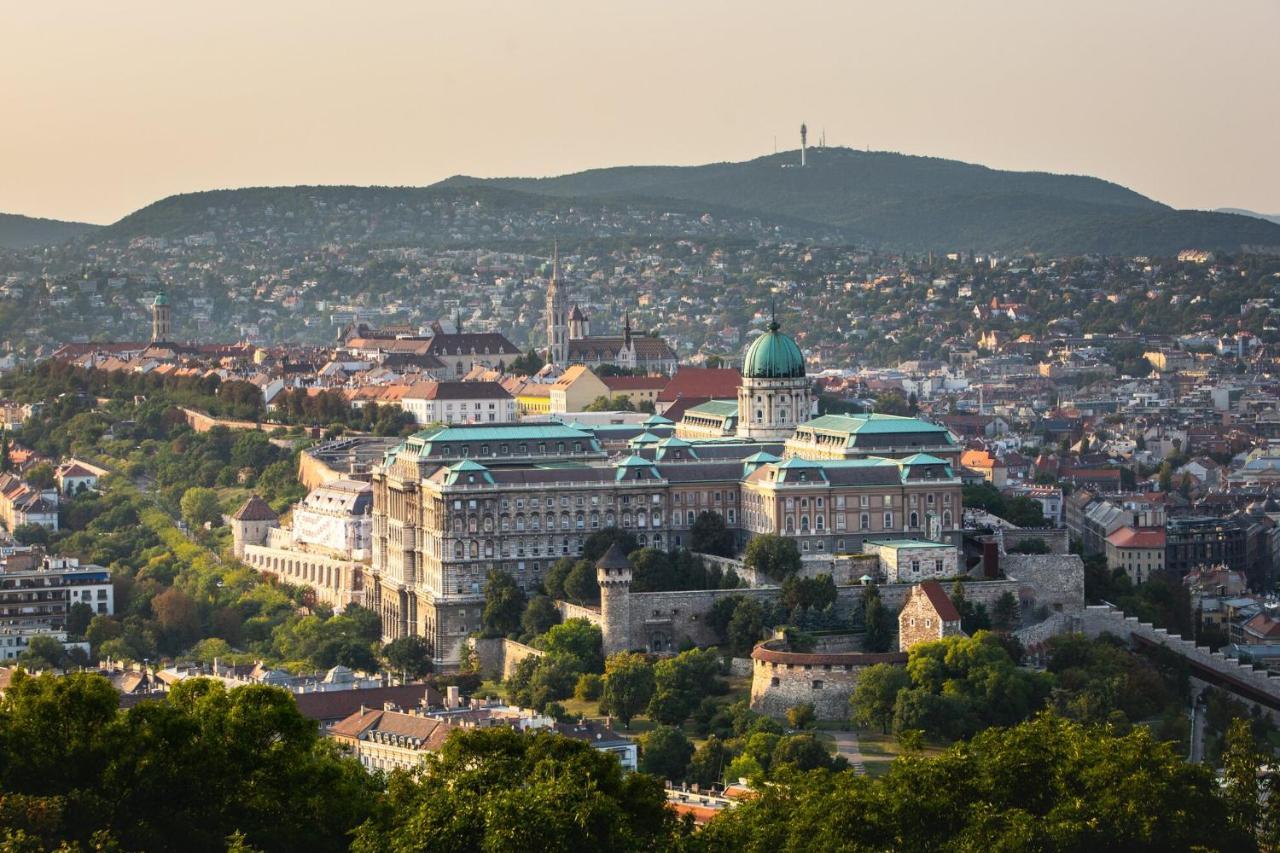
[[109, 107]]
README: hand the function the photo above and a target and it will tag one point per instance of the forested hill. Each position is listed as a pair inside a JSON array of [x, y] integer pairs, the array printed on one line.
[[22, 232], [873, 199], [901, 201]]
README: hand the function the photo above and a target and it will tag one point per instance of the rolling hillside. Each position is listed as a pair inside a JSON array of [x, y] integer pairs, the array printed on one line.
[[875, 199], [23, 232], [920, 203]]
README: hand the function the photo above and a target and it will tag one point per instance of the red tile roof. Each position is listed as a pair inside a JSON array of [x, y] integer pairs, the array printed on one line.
[[719, 382], [1149, 538], [940, 601], [255, 509]]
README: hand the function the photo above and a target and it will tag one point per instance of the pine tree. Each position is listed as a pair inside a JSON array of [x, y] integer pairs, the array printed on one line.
[[878, 634]]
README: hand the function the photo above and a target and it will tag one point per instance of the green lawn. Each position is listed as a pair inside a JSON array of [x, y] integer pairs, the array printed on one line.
[[879, 751]]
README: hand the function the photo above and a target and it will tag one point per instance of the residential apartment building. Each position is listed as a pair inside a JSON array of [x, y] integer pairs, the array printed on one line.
[[459, 403], [1139, 551], [37, 595]]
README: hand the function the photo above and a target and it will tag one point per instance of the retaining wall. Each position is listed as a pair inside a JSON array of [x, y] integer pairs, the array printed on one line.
[[499, 656]]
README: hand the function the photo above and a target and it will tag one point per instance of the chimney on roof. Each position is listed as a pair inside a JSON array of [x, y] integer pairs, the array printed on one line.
[[452, 699]]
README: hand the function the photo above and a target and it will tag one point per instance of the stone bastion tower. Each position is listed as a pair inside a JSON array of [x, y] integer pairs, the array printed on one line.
[[613, 573]]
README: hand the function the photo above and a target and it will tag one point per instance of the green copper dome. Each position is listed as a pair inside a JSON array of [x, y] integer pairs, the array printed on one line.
[[773, 355], [161, 299]]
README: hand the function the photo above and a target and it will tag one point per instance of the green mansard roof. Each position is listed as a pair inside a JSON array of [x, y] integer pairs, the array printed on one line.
[[873, 424]]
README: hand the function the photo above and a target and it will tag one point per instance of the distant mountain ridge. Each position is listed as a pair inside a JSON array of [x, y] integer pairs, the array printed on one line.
[[23, 232], [876, 199], [1269, 217]]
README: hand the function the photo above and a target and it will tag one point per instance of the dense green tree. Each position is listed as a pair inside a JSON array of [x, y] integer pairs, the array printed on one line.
[[746, 627], [665, 752], [774, 556], [799, 752], [680, 683], [79, 615], [538, 682], [709, 762], [628, 685], [220, 761], [411, 656], [43, 653], [960, 684], [598, 543], [710, 535], [589, 686], [877, 622], [31, 534], [1024, 512], [652, 570], [578, 641], [875, 697], [200, 507], [1043, 785], [540, 614], [1005, 612], [580, 585], [553, 580], [1240, 762], [808, 593], [504, 604], [498, 789]]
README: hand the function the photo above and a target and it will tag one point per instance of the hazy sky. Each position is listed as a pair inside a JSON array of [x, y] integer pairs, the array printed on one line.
[[105, 107]]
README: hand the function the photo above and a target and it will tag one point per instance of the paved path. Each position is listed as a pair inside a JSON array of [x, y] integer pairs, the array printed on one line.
[[848, 747]]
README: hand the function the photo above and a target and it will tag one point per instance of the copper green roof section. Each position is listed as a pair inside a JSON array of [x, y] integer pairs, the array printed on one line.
[[773, 355], [467, 472], [874, 424], [714, 408], [502, 432]]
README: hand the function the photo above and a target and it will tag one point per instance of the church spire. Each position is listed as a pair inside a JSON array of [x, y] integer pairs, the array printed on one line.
[[626, 329]]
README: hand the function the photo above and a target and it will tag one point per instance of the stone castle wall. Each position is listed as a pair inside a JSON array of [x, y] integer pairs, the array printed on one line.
[[569, 610], [498, 656], [662, 621], [1055, 537]]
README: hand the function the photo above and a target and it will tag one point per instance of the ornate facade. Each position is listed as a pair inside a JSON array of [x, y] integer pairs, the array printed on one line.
[[569, 338]]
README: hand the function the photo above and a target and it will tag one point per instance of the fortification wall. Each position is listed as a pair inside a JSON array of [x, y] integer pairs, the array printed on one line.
[[662, 621], [1054, 580], [845, 569], [569, 610], [312, 472], [498, 656], [1104, 618], [1055, 537]]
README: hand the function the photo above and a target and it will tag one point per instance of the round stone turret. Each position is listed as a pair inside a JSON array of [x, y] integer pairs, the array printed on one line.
[[613, 573]]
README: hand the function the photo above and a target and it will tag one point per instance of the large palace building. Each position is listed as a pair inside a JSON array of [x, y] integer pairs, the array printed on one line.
[[453, 503]]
